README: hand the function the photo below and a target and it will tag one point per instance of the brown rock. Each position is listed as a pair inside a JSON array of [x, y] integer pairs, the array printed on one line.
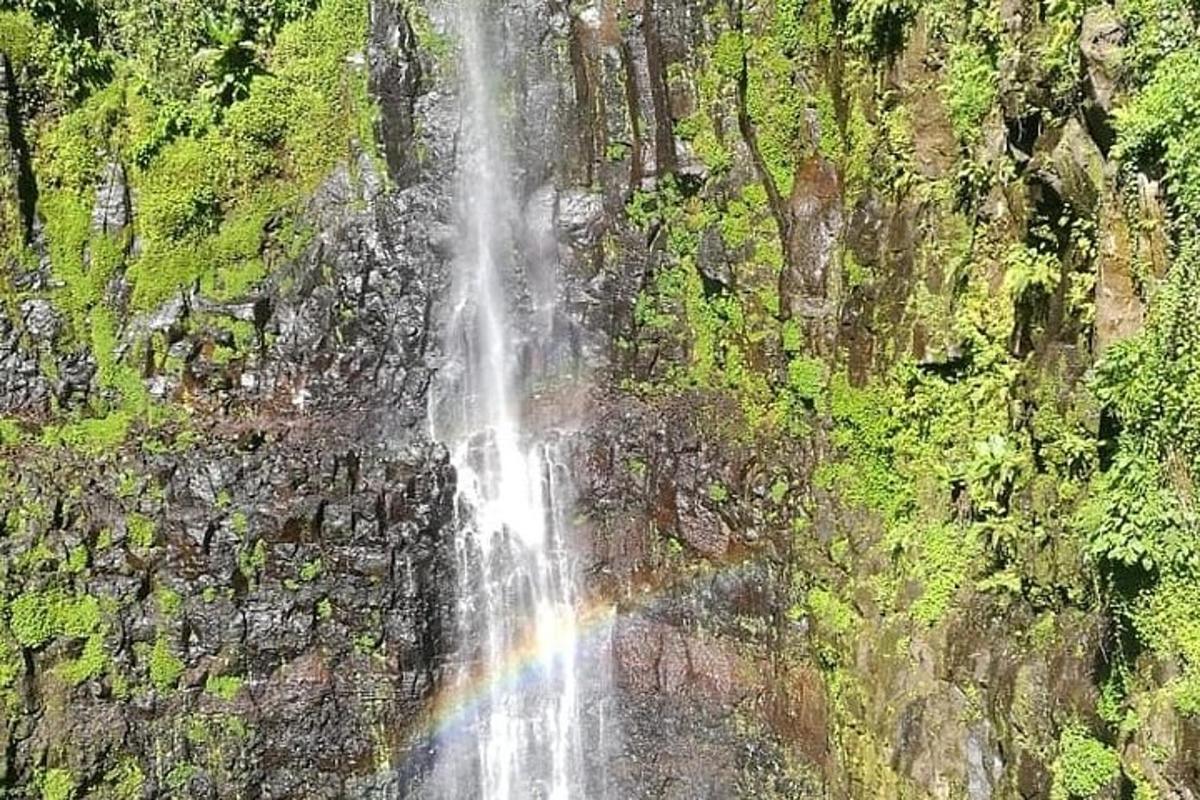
[[655, 658], [1120, 311], [816, 221], [703, 530], [1153, 244], [1100, 40]]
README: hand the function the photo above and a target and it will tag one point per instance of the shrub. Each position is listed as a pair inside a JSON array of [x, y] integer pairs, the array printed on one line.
[[971, 89], [1162, 124], [1084, 765], [880, 25]]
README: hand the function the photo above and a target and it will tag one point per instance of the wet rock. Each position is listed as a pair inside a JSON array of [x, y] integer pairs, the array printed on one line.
[[652, 658], [713, 261], [580, 217], [700, 527], [396, 75], [935, 147]]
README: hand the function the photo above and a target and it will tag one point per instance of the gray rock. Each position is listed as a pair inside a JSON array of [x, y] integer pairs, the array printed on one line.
[[111, 212]]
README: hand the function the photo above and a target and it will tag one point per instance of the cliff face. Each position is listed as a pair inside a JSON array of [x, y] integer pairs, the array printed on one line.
[[880, 316]]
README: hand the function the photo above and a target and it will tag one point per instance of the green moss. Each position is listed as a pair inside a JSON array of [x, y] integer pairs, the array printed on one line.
[[717, 492], [12, 664], [94, 437], [225, 687], [181, 774], [31, 619], [126, 779], [310, 570], [90, 664], [700, 132], [252, 560], [165, 667], [77, 559], [10, 432], [141, 531], [169, 602], [77, 616], [807, 378], [830, 612], [942, 558], [57, 784], [37, 617]]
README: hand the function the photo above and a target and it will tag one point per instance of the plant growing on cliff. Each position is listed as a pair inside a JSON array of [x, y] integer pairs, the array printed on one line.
[[164, 667], [126, 778], [57, 784], [1084, 765], [1028, 272], [971, 89], [880, 25], [1162, 125], [231, 61], [994, 471], [225, 687]]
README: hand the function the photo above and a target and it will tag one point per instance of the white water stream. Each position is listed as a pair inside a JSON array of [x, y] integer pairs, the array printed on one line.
[[521, 731]]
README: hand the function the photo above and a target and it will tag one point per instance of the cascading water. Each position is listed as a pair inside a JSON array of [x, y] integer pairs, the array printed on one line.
[[522, 726]]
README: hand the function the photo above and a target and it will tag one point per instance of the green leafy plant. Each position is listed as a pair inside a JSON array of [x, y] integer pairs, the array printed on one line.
[[1084, 765], [1028, 272], [971, 88], [231, 61], [225, 687], [1162, 125], [994, 471], [880, 25]]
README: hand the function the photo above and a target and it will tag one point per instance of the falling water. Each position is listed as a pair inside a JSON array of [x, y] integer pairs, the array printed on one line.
[[518, 598]]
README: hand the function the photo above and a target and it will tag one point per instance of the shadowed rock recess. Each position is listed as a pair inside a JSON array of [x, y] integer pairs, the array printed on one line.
[[873, 357]]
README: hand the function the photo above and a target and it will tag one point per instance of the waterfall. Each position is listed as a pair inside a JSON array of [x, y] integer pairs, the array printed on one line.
[[520, 725]]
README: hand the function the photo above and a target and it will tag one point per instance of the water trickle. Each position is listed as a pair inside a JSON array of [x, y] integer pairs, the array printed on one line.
[[528, 731]]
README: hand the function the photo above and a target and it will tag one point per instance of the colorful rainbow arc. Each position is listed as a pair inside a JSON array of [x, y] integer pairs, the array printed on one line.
[[522, 664]]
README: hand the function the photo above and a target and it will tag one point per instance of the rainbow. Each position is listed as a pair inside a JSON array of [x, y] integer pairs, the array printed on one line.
[[458, 702]]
